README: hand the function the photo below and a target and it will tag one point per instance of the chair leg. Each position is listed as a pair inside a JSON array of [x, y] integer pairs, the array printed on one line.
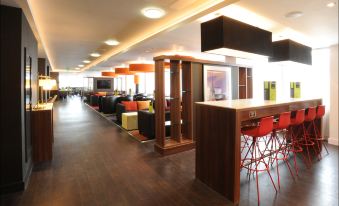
[[293, 151], [256, 176], [325, 147], [316, 141], [306, 142], [267, 168], [319, 137]]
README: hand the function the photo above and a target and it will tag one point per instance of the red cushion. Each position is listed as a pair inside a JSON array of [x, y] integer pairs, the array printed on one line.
[[250, 131], [130, 105]]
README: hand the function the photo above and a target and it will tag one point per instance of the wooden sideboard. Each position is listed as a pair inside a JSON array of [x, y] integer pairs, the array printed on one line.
[[217, 133], [42, 133]]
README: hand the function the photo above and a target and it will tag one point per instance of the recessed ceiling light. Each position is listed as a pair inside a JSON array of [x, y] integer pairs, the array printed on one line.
[[294, 14], [86, 61], [153, 12], [112, 42], [330, 4], [77, 68], [95, 54], [80, 65]]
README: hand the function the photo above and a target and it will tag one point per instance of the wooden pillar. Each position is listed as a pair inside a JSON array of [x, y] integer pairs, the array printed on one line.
[[187, 100], [159, 104], [179, 141], [175, 101]]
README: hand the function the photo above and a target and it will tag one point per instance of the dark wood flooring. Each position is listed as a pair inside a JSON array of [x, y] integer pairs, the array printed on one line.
[[96, 163]]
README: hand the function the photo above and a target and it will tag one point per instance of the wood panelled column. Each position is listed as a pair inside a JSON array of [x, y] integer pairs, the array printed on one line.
[[187, 100], [181, 108], [159, 104], [175, 101]]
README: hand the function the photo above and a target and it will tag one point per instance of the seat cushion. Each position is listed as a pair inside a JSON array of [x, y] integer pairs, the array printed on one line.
[[250, 131], [130, 105], [142, 105]]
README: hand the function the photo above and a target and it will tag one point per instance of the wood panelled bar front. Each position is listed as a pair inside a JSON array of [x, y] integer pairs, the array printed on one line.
[[42, 133], [217, 134]]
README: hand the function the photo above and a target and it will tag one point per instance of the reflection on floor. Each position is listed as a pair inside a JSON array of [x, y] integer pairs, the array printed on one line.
[[97, 163]]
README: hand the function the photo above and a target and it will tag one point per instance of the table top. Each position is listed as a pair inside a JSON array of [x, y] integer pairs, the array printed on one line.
[[42, 107], [239, 104], [130, 114]]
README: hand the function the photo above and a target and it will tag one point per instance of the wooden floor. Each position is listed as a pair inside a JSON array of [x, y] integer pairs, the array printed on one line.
[[96, 163]]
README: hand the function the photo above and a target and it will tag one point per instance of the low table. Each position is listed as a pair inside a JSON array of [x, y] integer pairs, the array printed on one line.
[[129, 120]]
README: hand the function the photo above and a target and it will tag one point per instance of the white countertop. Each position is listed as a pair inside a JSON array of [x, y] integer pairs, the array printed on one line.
[[240, 104]]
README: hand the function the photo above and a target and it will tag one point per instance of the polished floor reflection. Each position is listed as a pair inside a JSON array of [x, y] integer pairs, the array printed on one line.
[[96, 163]]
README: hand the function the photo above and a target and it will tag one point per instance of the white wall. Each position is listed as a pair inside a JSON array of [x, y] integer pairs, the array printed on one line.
[[75, 79], [334, 96], [314, 79]]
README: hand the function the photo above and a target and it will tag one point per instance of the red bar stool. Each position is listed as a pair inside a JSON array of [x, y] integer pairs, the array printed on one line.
[[306, 141], [279, 145], [257, 155], [318, 139], [294, 146]]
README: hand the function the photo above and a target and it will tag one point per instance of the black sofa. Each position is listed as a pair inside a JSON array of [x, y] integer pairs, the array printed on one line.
[[141, 97], [120, 108], [93, 100], [146, 123], [109, 103]]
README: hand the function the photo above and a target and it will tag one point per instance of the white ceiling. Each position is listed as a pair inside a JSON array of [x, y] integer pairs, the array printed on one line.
[[318, 27], [71, 30], [318, 22]]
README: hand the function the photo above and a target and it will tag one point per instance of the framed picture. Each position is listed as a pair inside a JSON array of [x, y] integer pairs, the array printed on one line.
[[27, 101], [217, 83]]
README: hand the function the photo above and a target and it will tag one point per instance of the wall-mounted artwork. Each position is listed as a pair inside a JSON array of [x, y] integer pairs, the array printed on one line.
[[217, 83], [295, 89], [270, 88]]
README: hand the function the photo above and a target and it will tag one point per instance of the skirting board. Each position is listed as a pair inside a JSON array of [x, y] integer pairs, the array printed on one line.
[[333, 141]]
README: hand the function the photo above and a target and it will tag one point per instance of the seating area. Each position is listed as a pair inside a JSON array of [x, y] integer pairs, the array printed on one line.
[[135, 114]]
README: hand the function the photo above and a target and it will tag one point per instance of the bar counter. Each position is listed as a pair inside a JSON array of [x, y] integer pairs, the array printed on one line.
[[217, 132]]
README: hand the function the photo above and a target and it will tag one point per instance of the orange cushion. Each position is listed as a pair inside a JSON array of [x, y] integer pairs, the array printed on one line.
[[130, 105], [143, 105], [102, 93]]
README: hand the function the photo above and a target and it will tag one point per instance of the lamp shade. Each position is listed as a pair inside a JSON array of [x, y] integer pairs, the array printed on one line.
[[141, 67], [288, 50], [136, 79], [48, 84], [42, 82], [108, 74], [123, 71], [229, 37]]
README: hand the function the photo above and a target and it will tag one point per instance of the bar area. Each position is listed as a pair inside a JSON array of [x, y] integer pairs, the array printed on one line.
[[218, 130]]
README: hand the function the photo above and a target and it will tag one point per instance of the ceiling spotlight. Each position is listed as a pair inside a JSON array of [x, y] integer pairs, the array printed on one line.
[[80, 65], [294, 14], [153, 12], [95, 54], [86, 61], [112, 42], [330, 4]]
